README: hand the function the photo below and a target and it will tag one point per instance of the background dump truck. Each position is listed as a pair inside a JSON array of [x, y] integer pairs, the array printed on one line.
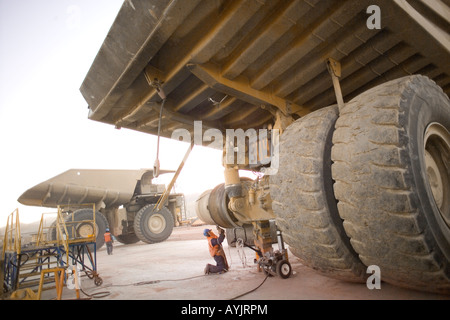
[[124, 202], [358, 93]]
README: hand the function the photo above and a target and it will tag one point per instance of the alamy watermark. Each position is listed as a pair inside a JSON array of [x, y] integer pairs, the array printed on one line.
[[250, 147], [374, 20], [374, 280]]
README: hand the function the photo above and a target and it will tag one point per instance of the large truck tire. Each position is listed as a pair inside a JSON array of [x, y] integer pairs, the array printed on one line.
[[391, 165], [51, 234], [303, 199], [153, 226], [129, 238], [78, 225]]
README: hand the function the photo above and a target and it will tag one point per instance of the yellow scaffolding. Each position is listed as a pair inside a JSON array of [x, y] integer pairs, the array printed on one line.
[[67, 231], [12, 240], [80, 230], [66, 235]]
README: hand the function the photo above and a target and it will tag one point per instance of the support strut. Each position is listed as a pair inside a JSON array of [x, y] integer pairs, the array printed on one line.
[[165, 195], [334, 68]]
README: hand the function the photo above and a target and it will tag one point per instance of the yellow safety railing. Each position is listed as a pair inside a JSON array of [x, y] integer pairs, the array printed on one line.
[[80, 230], [67, 230], [44, 230], [12, 240], [62, 236]]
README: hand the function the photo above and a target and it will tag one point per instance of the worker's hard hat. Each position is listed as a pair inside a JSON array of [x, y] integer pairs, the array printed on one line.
[[206, 232], [107, 230]]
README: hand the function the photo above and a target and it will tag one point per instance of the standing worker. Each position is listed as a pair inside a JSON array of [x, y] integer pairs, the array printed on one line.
[[109, 241], [216, 251]]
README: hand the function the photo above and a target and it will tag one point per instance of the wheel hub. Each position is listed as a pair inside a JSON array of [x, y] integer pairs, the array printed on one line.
[[437, 160], [85, 230], [156, 223], [285, 269]]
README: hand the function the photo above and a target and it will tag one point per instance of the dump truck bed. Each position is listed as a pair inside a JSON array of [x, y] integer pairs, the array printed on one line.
[[233, 64], [80, 186]]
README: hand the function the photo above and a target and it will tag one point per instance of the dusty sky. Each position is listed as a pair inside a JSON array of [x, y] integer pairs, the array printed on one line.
[[46, 49]]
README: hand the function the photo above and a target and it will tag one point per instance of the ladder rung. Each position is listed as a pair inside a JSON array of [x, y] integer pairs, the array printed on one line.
[[30, 274], [32, 266], [34, 283], [47, 255]]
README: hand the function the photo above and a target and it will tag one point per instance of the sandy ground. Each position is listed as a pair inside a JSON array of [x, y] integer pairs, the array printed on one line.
[[174, 270]]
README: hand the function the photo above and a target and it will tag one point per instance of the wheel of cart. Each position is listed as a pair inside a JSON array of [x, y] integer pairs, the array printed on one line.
[[98, 281], [283, 269]]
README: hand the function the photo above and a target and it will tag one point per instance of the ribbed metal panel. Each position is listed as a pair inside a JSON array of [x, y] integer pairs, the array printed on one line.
[[275, 48]]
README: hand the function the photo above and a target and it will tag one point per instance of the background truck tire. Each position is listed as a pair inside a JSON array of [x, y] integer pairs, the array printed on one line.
[[385, 183], [82, 229], [153, 227], [303, 199], [129, 238]]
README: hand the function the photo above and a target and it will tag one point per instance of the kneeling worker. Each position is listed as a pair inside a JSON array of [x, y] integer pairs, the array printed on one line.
[[216, 251]]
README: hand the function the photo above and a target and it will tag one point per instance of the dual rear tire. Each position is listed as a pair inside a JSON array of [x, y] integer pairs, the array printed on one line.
[[303, 198], [385, 200]]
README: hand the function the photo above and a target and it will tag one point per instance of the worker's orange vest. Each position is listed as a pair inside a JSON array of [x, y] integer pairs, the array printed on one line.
[[107, 237], [213, 250], [216, 250]]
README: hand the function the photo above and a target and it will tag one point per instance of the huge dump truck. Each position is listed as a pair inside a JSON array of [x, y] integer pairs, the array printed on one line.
[[124, 202], [342, 106]]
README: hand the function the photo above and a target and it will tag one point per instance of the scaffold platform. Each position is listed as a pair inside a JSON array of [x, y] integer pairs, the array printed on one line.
[[51, 259]]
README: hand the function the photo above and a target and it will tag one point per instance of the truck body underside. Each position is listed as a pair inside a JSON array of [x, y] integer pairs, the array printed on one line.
[[232, 64]]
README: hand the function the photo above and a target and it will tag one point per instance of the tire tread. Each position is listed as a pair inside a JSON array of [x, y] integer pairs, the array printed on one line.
[[375, 191], [300, 203]]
